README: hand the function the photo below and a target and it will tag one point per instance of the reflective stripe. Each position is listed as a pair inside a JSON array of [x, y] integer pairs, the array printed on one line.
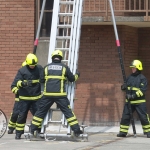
[[19, 84], [73, 123], [36, 123], [123, 126], [147, 130], [136, 101], [30, 98], [37, 118], [62, 81], [16, 99], [124, 130], [139, 93], [33, 81], [55, 94], [133, 88], [55, 77], [12, 123], [14, 90], [20, 125], [46, 71], [72, 118], [20, 129], [146, 126], [76, 77], [148, 118], [13, 126]]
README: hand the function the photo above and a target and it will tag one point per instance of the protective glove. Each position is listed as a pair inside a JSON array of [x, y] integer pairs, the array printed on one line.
[[131, 96], [124, 87], [78, 73], [24, 84]]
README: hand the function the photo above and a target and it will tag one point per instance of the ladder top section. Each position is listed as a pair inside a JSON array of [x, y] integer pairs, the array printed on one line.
[[67, 2]]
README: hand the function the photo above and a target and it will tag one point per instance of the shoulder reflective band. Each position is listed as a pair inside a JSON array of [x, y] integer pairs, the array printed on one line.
[[3, 123]]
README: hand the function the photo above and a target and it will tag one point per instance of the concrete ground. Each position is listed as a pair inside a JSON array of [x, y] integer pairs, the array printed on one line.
[[100, 138]]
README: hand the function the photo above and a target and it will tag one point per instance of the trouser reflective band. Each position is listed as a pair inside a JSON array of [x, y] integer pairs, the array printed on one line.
[[37, 121], [72, 120], [20, 127], [12, 124], [124, 128], [146, 128], [148, 118]]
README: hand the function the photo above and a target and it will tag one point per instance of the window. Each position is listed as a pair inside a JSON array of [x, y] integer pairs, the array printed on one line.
[[47, 17]]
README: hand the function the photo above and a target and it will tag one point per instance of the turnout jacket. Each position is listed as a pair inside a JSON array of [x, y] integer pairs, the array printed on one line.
[[56, 75], [15, 90], [33, 77], [137, 84]]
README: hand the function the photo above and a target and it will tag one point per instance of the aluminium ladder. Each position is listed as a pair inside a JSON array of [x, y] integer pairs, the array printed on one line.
[[65, 36]]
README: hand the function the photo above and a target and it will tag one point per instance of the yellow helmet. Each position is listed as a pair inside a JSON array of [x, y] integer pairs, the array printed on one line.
[[31, 60], [57, 53], [136, 64], [24, 63]]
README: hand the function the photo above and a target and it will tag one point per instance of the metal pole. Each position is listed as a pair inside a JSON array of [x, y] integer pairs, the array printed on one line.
[[121, 63], [39, 27]]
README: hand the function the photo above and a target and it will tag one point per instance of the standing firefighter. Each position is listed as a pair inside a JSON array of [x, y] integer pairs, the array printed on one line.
[[136, 86], [28, 82], [15, 113], [56, 75]]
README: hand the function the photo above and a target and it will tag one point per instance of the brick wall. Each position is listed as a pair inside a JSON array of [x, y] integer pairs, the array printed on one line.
[[100, 99], [144, 56], [17, 36]]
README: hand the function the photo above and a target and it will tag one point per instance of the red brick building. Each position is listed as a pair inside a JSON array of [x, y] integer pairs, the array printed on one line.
[[99, 98]]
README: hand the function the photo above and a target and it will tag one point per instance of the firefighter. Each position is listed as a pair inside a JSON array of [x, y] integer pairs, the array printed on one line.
[[28, 83], [135, 87], [15, 113], [56, 75]]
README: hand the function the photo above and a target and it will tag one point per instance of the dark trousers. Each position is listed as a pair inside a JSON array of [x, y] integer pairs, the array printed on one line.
[[143, 116], [15, 113], [23, 112], [14, 116], [64, 105]]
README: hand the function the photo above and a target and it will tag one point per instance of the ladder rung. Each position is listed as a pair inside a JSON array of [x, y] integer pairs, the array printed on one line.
[[62, 49], [64, 60], [64, 26], [66, 2], [63, 37], [54, 109], [55, 121], [65, 14]]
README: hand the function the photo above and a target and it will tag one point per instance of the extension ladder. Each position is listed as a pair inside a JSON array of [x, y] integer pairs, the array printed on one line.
[[65, 36]]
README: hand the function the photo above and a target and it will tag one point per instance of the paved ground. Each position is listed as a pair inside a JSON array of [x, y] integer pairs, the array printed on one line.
[[100, 138]]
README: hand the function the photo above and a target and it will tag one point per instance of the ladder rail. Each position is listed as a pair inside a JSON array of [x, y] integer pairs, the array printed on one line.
[[53, 29]]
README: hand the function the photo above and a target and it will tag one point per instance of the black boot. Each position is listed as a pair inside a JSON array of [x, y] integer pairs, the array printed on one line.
[[18, 136], [121, 135], [148, 135], [10, 131], [78, 132]]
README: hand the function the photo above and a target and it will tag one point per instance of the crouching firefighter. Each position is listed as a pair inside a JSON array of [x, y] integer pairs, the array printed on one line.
[[136, 86], [28, 82], [56, 75]]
